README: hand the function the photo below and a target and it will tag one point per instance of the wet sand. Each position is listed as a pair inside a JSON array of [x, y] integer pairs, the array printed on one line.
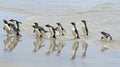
[[98, 54]]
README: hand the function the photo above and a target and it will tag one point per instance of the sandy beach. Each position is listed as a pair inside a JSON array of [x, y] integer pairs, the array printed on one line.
[[100, 16]]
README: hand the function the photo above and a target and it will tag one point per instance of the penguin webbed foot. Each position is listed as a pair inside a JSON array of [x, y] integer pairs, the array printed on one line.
[[48, 53], [73, 57], [58, 53], [84, 55]]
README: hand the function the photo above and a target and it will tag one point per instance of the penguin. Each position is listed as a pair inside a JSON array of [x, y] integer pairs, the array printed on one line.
[[40, 28], [60, 29], [16, 23], [52, 31], [6, 27], [106, 36], [74, 49], [37, 31], [14, 29], [75, 31], [84, 28]]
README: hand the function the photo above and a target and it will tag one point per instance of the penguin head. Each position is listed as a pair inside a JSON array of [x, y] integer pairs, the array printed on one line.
[[47, 25], [12, 20], [36, 24], [5, 21], [58, 24], [103, 33], [83, 21], [73, 23]]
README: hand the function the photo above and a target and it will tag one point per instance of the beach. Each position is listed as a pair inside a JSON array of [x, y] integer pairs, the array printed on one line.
[[100, 15]]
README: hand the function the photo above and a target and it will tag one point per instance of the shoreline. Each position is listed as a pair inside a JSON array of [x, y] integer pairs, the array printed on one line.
[[23, 55]]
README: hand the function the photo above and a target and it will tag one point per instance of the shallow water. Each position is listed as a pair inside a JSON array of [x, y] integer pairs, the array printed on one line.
[[22, 54], [103, 17]]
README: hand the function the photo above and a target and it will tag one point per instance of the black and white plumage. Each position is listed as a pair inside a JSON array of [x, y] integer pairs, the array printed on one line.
[[40, 28], [14, 29], [7, 27], [106, 36], [60, 29], [16, 24], [75, 31], [52, 31], [37, 31], [84, 28]]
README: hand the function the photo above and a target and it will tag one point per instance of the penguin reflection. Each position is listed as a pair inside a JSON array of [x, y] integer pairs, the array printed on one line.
[[84, 48], [52, 46], [75, 48], [7, 42], [38, 43], [11, 43], [60, 46], [104, 49]]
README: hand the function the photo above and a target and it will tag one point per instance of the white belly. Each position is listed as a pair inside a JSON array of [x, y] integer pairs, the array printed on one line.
[[7, 28], [37, 32], [74, 33], [84, 31], [51, 32], [15, 24]]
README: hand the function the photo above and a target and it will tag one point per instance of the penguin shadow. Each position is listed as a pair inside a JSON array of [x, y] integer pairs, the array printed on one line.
[[84, 48], [60, 46], [38, 44], [51, 46], [10, 43], [75, 48]]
